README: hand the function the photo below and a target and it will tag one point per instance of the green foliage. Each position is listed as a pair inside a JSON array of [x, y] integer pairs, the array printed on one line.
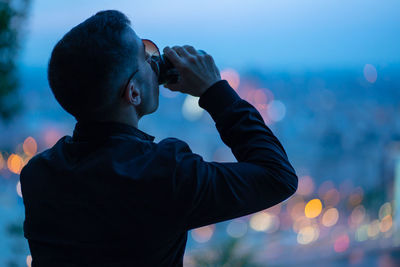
[[14, 229], [12, 16], [16, 243]]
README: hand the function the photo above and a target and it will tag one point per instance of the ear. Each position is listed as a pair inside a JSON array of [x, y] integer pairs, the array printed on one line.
[[132, 94]]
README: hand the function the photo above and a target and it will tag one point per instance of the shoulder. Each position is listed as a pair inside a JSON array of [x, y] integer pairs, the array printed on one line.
[[173, 145]]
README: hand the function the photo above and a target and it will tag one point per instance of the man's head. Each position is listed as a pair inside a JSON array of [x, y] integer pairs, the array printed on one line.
[[90, 67]]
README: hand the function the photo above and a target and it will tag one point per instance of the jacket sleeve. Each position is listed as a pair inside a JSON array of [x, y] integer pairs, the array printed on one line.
[[211, 192]]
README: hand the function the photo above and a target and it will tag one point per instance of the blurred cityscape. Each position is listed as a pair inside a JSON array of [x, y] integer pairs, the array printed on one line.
[[339, 127]]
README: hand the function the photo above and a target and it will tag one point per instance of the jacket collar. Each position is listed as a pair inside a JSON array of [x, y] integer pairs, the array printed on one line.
[[88, 130]]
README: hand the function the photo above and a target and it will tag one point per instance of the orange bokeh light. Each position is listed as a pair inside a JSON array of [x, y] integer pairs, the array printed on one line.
[[15, 163]]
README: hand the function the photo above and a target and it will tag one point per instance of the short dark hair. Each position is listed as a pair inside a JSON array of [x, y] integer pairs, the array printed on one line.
[[88, 64]]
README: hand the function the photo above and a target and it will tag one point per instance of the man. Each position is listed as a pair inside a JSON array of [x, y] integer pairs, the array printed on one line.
[[109, 195]]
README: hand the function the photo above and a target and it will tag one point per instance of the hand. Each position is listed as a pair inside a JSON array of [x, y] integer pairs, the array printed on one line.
[[197, 70]]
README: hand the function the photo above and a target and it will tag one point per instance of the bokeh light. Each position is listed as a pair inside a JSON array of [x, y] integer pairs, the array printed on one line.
[[236, 228], [29, 261], [264, 221], [203, 234], [232, 77], [357, 215], [308, 234], [15, 163], [191, 109], [362, 233], [339, 126], [30, 146], [18, 188], [342, 243], [373, 229], [386, 223], [276, 110], [384, 210], [313, 208], [51, 136], [370, 73], [330, 217]]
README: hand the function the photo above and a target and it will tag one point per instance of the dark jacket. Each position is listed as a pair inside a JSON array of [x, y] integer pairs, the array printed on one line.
[[110, 196]]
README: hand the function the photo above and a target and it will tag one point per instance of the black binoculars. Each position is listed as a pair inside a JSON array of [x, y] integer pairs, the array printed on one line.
[[164, 69]]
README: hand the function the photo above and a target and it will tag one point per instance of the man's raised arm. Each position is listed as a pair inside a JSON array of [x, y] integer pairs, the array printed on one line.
[[210, 192]]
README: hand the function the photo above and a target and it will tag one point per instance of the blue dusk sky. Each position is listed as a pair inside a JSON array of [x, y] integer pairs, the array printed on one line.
[[276, 34]]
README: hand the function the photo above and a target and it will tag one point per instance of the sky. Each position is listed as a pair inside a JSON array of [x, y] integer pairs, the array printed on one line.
[[276, 34]]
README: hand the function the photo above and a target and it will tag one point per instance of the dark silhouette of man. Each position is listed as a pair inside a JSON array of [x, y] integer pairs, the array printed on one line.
[[110, 196]]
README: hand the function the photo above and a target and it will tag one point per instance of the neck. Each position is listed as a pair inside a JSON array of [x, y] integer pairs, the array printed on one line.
[[128, 117]]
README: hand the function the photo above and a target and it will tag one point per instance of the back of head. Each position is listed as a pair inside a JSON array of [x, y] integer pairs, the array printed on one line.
[[89, 64]]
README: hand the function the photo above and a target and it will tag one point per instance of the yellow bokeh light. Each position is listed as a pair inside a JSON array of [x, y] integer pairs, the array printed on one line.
[[232, 77], [386, 223], [330, 217], [313, 208], [15, 163], [30, 146]]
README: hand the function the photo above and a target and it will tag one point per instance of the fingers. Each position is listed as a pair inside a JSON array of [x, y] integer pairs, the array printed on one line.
[[172, 56], [181, 56], [190, 49], [181, 51], [186, 51]]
